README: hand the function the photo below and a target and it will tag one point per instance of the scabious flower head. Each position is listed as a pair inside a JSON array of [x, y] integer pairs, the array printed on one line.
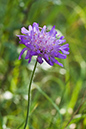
[[43, 44]]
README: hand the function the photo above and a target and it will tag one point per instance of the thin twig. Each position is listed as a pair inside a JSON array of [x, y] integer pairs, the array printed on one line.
[[82, 102]]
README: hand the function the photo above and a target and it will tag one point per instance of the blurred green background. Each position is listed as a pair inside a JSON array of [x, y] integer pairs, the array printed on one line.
[[56, 92]]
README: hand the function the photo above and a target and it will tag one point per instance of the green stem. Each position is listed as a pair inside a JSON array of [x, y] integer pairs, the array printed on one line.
[[28, 107]]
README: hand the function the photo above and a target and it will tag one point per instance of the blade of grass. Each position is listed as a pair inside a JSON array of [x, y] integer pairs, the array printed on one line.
[[50, 100], [75, 93]]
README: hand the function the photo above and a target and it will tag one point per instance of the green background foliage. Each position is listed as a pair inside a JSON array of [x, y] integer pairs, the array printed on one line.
[[57, 93]]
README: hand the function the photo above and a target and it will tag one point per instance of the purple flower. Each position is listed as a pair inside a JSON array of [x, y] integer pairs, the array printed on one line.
[[45, 45]]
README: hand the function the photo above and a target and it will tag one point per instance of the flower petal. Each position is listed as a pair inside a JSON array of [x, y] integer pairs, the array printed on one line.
[[24, 30], [53, 32], [27, 55], [46, 56], [23, 50], [58, 63], [30, 59], [65, 52], [64, 49], [62, 56], [30, 27], [49, 62], [43, 29], [61, 41], [39, 59], [62, 37], [35, 27], [55, 61]]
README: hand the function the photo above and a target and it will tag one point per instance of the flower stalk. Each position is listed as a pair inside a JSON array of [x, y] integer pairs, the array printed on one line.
[[29, 99]]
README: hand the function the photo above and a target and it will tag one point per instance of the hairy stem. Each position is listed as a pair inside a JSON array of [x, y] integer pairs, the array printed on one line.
[[28, 107]]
